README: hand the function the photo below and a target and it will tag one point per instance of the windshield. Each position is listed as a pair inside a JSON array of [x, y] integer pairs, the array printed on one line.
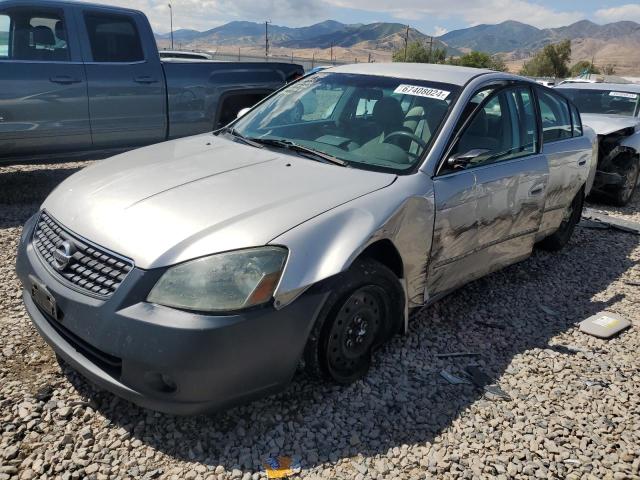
[[365, 121], [618, 102]]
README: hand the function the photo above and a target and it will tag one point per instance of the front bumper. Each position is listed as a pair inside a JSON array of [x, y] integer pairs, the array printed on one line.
[[166, 359]]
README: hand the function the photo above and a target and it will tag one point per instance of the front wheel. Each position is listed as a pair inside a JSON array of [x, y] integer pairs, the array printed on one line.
[[572, 215], [623, 195], [365, 304]]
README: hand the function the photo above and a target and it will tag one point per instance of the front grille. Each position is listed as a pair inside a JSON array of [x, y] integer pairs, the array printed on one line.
[[90, 269]]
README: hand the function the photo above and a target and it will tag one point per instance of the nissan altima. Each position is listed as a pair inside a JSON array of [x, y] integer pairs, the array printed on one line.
[[198, 273]]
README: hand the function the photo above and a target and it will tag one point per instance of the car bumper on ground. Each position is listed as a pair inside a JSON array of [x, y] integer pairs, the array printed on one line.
[[166, 359]]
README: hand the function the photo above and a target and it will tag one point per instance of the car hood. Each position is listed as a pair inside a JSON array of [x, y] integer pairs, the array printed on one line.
[[604, 124], [183, 199]]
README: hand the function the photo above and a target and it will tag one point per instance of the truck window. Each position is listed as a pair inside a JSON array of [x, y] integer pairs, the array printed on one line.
[[28, 34], [5, 23], [113, 38]]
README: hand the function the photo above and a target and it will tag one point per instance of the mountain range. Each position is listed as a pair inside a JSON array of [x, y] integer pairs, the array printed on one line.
[[617, 43]]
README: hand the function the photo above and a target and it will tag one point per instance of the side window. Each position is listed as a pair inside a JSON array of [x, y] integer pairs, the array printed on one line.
[[30, 34], [556, 120], [576, 121], [113, 38], [502, 129], [5, 25], [365, 107]]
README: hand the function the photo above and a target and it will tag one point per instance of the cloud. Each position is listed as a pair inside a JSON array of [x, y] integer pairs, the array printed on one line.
[[472, 11], [206, 14], [438, 31], [630, 11]]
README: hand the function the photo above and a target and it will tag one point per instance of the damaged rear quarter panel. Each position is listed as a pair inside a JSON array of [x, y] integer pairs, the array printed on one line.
[[327, 245]]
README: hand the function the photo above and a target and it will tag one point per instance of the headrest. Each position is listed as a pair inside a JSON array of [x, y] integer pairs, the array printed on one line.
[[61, 33], [388, 112], [43, 36]]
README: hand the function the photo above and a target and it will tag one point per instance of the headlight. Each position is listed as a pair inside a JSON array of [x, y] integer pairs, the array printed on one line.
[[223, 282]]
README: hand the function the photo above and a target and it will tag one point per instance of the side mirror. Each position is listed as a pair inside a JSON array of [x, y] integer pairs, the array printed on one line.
[[463, 159], [243, 112]]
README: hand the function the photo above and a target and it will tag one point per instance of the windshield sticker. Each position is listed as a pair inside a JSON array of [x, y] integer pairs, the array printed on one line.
[[422, 92], [624, 94]]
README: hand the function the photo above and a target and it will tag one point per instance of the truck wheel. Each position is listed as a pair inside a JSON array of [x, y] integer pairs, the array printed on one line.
[[572, 215], [623, 195], [364, 305]]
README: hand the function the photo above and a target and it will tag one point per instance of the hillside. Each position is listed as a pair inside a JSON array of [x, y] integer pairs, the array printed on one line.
[[616, 43]]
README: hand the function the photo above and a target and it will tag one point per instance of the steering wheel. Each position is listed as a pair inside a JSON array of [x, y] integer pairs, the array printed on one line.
[[404, 133]]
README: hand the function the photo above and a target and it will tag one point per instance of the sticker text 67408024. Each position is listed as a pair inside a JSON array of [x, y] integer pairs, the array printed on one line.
[[422, 91]]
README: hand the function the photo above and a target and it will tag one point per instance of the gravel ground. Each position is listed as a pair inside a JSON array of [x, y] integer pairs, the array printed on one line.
[[573, 411]]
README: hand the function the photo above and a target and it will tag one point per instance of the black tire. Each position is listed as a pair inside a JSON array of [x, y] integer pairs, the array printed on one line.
[[363, 310], [561, 237], [624, 193]]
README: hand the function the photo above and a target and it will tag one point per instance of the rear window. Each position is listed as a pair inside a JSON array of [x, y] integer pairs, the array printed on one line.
[[556, 118], [577, 122], [113, 38]]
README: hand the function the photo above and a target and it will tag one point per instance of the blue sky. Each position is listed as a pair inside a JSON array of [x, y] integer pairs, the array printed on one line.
[[429, 16]]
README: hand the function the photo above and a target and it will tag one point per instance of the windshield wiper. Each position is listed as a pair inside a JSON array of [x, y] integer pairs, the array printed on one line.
[[234, 133], [295, 147]]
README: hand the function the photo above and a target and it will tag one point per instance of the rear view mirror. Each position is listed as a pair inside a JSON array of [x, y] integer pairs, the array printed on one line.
[[462, 160], [243, 112]]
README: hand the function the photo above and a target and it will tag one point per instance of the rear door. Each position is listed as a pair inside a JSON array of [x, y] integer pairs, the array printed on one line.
[[43, 89], [488, 211], [127, 94]]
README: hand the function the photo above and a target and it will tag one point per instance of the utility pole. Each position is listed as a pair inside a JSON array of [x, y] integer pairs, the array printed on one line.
[[266, 39], [313, 60], [331, 53], [431, 49], [171, 20], [406, 43], [238, 53], [369, 60]]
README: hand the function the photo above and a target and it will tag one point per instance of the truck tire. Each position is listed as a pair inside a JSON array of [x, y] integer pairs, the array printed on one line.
[[359, 315], [558, 240], [624, 193]]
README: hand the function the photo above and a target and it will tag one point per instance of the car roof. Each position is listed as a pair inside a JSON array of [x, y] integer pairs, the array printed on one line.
[[619, 87], [416, 71]]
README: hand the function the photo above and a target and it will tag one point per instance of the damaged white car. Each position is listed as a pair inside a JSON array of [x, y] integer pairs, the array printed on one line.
[[613, 111]]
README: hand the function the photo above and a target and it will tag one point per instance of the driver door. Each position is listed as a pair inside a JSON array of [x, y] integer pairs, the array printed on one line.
[[489, 204]]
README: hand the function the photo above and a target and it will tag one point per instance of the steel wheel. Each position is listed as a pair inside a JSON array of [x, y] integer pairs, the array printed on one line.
[[354, 331], [630, 181]]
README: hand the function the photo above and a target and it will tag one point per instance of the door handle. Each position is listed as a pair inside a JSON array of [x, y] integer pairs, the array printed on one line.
[[145, 79], [64, 79], [536, 191]]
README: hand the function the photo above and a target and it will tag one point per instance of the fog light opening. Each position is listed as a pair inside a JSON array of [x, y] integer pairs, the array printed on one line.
[[160, 382]]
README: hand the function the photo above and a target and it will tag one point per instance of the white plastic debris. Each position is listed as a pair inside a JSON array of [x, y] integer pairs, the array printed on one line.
[[604, 325]]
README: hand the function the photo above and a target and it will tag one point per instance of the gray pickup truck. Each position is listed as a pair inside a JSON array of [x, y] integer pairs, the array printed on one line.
[[78, 77]]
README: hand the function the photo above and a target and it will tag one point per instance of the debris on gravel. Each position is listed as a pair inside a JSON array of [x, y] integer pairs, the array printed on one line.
[[574, 398]]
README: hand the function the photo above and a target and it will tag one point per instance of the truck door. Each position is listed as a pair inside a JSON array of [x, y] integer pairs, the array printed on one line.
[[43, 89], [127, 95], [489, 205]]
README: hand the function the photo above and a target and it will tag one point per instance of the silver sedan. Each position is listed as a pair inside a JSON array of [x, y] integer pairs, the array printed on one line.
[[198, 273]]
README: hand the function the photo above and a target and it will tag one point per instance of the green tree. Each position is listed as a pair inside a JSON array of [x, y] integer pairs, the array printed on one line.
[[551, 61], [416, 52], [582, 67], [478, 59]]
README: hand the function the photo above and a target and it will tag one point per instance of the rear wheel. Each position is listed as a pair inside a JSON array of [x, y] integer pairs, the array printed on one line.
[[572, 215], [623, 195], [365, 304]]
